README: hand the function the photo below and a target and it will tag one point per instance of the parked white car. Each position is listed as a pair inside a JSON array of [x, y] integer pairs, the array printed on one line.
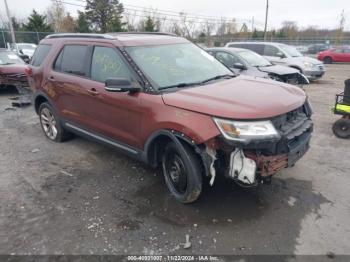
[[285, 55], [24, 49]]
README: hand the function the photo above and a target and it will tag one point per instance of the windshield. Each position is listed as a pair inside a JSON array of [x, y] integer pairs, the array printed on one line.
[[254, 59], [291, 51], [170, 65], [7, 58], [26, 46]]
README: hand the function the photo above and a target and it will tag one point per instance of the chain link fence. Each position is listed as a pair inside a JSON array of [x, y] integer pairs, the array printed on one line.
[[35, 37], [21, 37]]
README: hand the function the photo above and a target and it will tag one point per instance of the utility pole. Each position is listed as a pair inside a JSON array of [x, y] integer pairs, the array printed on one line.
[[267, 13], [10, 23]]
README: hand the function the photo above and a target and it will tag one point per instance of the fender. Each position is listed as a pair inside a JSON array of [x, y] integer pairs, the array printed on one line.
[[36, 97], [149, 155]]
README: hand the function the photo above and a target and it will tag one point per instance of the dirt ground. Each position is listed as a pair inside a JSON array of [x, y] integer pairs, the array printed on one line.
[[83, 198]]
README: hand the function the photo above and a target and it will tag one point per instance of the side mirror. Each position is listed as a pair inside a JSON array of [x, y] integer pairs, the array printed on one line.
[[239, 66], [20, 51], [280, 55], [120, 85]]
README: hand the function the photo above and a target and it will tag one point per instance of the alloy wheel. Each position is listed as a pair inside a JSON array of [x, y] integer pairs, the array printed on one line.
[[48, 123]]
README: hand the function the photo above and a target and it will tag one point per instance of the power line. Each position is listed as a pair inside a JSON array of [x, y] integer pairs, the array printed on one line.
[[146, 16], [212, 19]]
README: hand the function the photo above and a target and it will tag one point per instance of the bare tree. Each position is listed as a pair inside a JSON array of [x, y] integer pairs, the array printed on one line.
[[340, 29], [55, 15], [290, 29]]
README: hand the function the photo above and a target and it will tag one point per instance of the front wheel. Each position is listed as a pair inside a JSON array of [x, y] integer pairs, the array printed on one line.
[[341, 128], [182, 172], [328, 60]]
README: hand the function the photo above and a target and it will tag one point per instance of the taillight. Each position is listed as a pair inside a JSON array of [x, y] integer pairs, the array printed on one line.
[[28, 71]]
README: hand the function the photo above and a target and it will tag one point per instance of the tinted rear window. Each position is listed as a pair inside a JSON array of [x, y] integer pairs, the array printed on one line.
[[40, 54], [72, 60]]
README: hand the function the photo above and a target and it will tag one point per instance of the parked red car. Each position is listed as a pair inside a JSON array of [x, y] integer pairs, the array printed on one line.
[[339, 54], [12, 69]]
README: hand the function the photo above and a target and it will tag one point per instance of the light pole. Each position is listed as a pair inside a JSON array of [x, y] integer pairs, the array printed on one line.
[[267, 13], [10, 23]]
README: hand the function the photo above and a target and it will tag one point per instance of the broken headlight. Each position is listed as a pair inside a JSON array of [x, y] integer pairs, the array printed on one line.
[[246, 131]]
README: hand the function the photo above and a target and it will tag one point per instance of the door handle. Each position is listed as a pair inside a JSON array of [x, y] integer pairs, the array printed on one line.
[[93, 92], [52, 79]]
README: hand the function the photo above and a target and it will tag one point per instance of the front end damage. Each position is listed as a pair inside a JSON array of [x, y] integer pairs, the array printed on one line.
[[256, 162]]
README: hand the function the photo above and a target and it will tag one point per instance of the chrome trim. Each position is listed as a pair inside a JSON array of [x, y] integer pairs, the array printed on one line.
[[102, 139]]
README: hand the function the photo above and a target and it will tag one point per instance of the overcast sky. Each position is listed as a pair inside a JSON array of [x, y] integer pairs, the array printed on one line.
[[320, 13]]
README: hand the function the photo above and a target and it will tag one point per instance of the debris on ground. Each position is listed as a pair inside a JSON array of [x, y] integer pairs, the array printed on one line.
[[187, 244], [35, 150], [10, 109], [65, 173]]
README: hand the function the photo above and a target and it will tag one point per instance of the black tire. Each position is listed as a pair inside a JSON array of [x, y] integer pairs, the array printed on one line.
[[341, 128], [182, 172], [328, 60], [49, 120]]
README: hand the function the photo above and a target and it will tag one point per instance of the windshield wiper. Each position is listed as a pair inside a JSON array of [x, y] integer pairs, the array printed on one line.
[[8, 63], [218, 77], [179, 85]]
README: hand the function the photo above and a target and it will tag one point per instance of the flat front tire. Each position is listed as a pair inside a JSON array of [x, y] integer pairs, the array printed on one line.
[[51, 125], [182, 172]]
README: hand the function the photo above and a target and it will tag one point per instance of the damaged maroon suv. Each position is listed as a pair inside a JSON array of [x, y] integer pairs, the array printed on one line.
[[165, 101]]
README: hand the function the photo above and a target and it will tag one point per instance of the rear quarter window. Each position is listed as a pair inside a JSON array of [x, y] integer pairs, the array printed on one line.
[[40, 54]]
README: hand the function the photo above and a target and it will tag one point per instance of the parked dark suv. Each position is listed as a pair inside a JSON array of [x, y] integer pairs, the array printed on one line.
[[164, 100]]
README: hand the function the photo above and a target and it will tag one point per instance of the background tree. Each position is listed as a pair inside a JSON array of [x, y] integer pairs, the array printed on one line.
[[16, 24], [68, 24], [82, 24], [105, 15], [37, 22], [55, 15], [340, 29], [290, 29], [150, 25]]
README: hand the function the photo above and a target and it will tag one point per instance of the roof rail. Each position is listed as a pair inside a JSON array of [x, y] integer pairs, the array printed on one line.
[[140, 33], [113, 35], [79, 35]]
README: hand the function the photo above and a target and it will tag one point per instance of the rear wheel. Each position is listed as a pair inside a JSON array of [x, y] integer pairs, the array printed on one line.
[[341, 128], [328, 60], [182, 172], [50, 124]]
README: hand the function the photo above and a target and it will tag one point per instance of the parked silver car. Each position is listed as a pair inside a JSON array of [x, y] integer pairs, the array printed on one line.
[[285, 55], [247, 62]]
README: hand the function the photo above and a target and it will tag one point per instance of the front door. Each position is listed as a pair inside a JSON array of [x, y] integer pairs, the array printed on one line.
[[113, 114]]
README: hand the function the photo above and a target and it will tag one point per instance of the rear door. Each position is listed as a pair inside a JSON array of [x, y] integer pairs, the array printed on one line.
[[338, 55], [347, 55], [67, 82]]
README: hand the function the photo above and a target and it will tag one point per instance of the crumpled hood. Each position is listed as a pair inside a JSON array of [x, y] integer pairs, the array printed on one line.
[[278, 69], [242, 97]]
